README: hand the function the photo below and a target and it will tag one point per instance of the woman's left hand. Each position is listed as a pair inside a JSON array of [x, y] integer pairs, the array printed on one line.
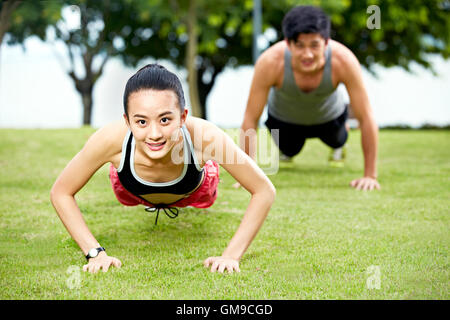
[[219, 264]]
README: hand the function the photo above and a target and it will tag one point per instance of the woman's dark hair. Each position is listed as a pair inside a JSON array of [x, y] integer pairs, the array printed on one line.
[[306, 19], [156, 77]]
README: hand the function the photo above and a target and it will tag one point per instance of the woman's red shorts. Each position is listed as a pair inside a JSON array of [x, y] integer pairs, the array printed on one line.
[[203, 197]]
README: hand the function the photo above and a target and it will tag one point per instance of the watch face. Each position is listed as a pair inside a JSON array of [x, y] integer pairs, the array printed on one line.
[[93, 253]]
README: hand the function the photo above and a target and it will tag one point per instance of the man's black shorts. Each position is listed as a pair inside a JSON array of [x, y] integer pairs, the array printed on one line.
[[292, 136]]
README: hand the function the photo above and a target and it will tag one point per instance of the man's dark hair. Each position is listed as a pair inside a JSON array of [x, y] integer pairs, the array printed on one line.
[[306, 19], [156, 77]]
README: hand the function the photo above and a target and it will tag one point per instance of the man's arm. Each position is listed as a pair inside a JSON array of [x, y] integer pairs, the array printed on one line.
[[359, 101], [264, 77]]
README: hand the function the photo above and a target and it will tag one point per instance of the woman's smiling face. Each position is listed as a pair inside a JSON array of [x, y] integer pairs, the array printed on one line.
[[155, 118]]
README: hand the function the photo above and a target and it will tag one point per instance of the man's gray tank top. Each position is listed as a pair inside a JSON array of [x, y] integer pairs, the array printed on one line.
[[291, 104]]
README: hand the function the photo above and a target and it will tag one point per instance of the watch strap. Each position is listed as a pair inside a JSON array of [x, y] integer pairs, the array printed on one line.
[[99, 249]]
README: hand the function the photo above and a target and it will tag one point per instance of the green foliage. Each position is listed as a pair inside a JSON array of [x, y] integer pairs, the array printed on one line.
[[224, 30], [33, 18], [409, 29], [222, 27], [138, 29]]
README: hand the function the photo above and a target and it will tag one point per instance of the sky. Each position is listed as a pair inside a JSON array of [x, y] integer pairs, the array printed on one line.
[[35, 91]]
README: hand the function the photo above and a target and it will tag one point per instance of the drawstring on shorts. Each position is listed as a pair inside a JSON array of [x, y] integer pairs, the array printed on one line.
[[171, 212]]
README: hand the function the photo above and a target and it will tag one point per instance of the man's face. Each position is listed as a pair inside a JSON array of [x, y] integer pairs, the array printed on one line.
[[308, 51]]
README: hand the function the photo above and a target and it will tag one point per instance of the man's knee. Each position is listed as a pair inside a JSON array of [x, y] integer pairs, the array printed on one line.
[[290, 147], [286, 136], [335, 140]]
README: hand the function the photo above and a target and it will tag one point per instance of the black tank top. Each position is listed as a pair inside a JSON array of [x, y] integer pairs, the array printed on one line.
[[160, 193]]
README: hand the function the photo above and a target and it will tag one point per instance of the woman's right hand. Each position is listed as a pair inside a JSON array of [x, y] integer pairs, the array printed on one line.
[[102, 261]]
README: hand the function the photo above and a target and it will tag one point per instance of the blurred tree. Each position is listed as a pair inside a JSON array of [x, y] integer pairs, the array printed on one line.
[[409, 29], [21, 19], [6, 10], [200, 35], [205, 36], [222, 37], [88, 45]]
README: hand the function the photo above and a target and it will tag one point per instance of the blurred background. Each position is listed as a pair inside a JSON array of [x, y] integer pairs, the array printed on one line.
[[64, 64]]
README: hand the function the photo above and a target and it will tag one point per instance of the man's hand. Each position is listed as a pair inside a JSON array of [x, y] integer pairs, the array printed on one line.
[[365, 183], [221, 263], [102, 261]]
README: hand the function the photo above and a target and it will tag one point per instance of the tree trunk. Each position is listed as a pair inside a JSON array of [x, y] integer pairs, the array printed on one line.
[[190, 60], [6, 10], [85, 88], [87, 108], [205, 88]]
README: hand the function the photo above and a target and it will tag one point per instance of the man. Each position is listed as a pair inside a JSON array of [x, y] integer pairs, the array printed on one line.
[[298, 78]]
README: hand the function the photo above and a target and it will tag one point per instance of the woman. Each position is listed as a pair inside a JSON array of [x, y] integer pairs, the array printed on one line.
[[155, 162]]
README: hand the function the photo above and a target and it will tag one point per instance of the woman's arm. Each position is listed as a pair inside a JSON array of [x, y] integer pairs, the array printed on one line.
[[219, 147], [98, 150]]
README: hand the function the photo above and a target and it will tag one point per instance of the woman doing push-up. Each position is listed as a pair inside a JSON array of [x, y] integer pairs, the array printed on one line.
[[162, 159]]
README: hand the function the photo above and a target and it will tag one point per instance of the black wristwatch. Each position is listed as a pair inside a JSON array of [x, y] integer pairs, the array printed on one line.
[[94, 252]]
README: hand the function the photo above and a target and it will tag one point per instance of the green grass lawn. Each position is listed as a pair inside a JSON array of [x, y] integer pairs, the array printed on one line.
[[320, 240]]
